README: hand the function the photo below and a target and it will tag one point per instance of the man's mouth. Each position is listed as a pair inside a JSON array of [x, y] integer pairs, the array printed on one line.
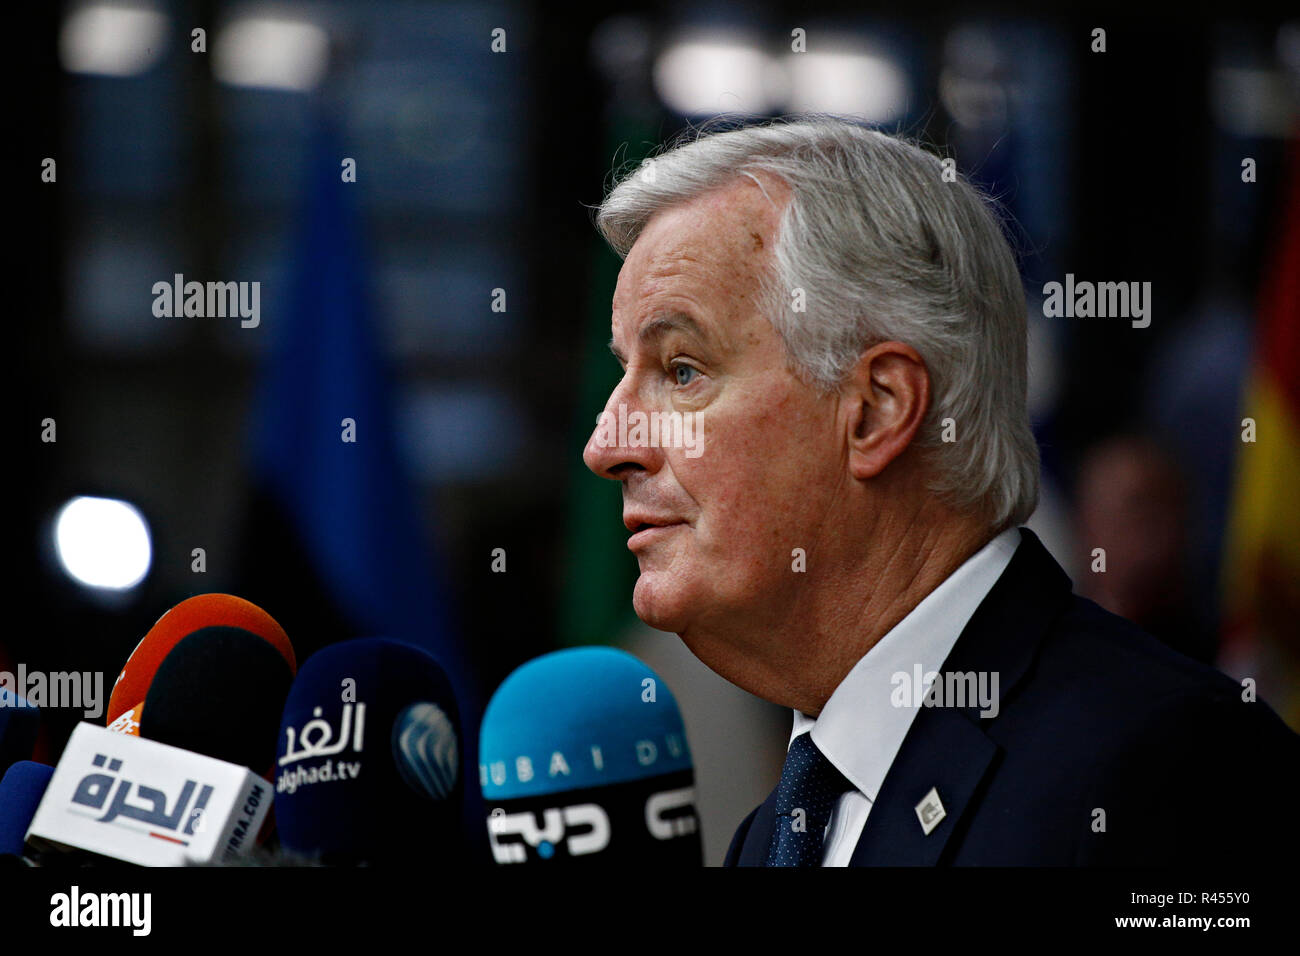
[[647, 528]]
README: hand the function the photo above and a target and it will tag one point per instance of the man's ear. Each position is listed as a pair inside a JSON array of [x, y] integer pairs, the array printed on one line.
[[886, 398]]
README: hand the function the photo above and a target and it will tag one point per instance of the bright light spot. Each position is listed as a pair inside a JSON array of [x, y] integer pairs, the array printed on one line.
[[103, 542], [112, 40], [707, 76], [271, 53], [853, 84]]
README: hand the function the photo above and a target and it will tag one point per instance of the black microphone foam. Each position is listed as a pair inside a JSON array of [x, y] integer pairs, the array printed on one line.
[[220, 693]]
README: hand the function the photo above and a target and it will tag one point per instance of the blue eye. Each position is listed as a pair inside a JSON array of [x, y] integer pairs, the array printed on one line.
[[679, 369]]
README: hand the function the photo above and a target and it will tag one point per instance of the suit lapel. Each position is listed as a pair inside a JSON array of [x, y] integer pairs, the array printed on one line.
[[753, 852], [948, 748], [893, 835]]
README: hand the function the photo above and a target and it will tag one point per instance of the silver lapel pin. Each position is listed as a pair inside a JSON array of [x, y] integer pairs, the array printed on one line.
[[930, 811]]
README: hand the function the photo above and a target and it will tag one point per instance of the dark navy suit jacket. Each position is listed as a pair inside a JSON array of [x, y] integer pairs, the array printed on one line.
[[1094, 715]]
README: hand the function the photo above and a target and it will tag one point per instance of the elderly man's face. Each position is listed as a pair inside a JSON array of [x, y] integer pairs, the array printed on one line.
[[714, 527]]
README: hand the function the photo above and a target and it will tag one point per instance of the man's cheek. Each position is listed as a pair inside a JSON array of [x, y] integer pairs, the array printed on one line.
[[740, 516]]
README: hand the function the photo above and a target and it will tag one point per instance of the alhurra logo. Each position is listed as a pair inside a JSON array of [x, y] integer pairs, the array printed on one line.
[[637, 429]]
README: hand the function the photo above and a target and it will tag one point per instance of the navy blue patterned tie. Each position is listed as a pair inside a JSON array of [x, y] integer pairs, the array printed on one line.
[[809, 787]]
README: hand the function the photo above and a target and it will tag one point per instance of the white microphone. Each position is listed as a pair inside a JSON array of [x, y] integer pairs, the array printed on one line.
[[133, 799]]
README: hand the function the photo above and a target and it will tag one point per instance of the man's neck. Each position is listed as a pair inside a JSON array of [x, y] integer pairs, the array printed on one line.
[[899, 576]]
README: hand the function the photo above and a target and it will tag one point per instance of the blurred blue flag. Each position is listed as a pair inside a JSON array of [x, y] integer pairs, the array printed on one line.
[[335, 502]]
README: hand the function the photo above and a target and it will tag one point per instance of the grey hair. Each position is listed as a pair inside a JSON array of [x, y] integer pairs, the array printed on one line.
[[884, 249]]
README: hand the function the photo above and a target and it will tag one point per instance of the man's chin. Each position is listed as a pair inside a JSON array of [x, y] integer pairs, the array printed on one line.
[[660, 607]]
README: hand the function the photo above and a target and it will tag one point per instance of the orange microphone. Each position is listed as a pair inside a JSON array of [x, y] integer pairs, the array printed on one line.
[[192, 614], [128, 722]]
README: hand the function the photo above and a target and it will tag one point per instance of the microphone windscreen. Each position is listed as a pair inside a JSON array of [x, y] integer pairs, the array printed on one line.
[[583, 758], [128, 722], [20, 722], [21, 790], [219, 693], [368, 764], [202, 610]]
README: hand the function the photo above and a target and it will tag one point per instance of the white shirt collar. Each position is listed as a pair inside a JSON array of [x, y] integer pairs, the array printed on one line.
[[859, 730]]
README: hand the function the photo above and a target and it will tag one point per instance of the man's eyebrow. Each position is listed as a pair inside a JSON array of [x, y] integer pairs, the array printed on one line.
[[661, 325], [667, 322]]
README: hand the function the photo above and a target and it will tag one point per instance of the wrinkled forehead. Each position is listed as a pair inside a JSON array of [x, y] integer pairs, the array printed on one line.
[[723, 238]]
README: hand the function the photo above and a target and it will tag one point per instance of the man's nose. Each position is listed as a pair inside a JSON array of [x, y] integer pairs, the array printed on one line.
[[615, 447]]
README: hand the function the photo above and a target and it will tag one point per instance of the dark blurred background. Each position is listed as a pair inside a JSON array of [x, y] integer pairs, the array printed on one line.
[[457, 295]]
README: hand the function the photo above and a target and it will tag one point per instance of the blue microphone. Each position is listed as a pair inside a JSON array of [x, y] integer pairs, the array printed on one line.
[[21, 790], [19, 722], [368, 764], [583, 760]]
